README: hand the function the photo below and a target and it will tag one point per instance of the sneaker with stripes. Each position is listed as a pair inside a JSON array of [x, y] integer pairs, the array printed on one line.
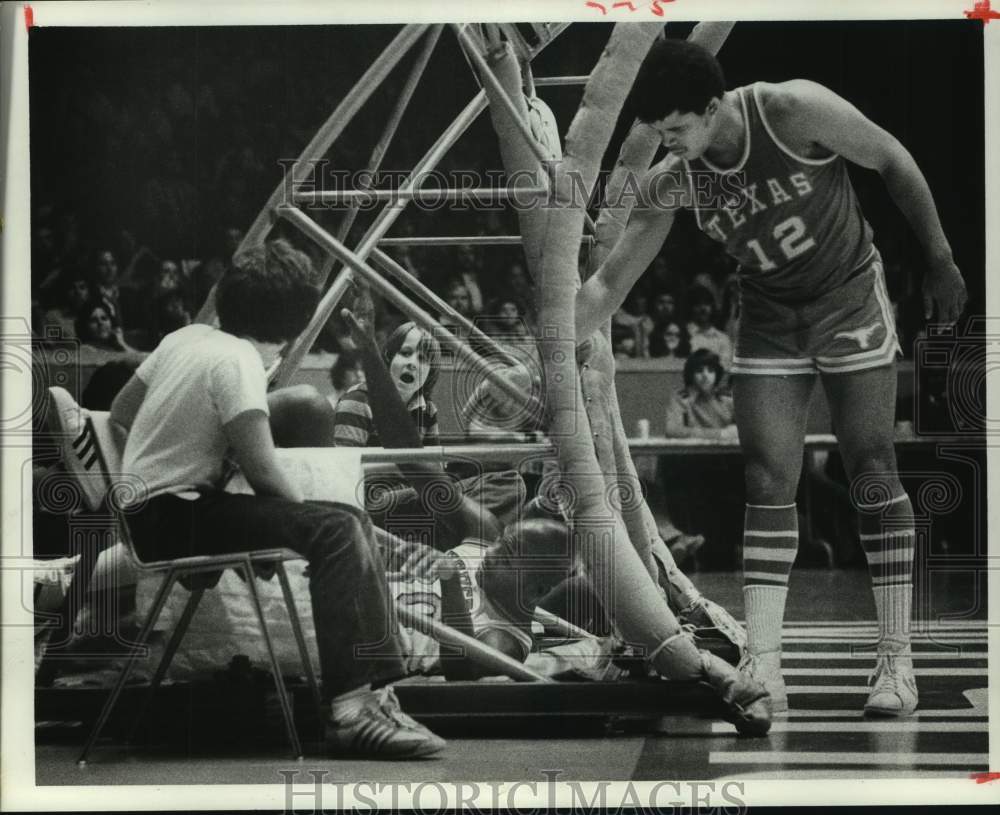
[[380, 729]]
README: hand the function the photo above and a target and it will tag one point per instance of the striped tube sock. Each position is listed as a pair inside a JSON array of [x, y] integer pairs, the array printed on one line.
[[887, 536], [770, 541]]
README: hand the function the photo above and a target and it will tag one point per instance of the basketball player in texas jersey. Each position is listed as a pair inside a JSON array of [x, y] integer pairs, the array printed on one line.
[[764, 167]]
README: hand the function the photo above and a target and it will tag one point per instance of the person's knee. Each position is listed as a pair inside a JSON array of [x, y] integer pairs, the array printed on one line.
[[874, 474], [875, 462], [343, 538], [769, 482]]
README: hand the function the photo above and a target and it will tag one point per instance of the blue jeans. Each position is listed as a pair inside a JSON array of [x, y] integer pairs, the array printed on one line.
[[354, 615]]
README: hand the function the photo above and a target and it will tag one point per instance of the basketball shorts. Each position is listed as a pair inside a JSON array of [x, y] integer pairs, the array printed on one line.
[[848, 329]]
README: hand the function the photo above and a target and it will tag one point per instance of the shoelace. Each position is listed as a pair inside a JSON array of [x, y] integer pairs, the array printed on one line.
[[388, 703], [886, 666]]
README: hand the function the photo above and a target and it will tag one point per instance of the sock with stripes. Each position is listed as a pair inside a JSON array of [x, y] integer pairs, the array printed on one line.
[[887, 536], [770, 542]]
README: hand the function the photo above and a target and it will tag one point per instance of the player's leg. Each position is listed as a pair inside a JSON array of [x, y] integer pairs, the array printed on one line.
[[862, 406], [771, 414]]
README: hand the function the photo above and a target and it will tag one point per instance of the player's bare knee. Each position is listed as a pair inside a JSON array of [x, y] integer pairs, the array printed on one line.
[[770, 485], [879, 464]]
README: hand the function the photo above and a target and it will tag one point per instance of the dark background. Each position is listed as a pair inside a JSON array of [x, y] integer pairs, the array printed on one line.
[[175, 133]]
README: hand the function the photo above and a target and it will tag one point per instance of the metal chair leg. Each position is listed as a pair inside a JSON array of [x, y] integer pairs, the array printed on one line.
[[279, 682], [293, 616], [168, 655], [147, 627]]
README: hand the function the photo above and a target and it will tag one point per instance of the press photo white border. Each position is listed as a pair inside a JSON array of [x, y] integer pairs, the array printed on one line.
[[17, 788]]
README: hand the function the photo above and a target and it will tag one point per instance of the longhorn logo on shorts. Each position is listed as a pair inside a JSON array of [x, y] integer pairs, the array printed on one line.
[[862, 336]]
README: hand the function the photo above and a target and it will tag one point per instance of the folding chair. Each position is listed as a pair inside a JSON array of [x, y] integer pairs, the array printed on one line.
[[93, 457]]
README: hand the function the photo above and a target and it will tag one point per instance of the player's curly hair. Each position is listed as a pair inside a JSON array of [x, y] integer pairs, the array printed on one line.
[[269, 295], [676, 75]]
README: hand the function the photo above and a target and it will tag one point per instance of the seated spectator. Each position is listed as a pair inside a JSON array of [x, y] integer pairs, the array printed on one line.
[[664, 307], [702, 329], [104, 284], [701, 409], [413, 357], [505, 320], [203, 391], [71, 292], [170, 313], [345, 373], [468, 265], [669, 339], [623, 343], [704, 492], [95, 326], [632, 315], [457, 296]]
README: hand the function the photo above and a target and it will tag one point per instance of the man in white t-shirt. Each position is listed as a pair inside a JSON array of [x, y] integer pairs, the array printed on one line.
[[202, 394]]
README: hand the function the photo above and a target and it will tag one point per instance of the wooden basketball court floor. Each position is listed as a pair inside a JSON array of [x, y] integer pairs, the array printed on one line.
[[828, 636]]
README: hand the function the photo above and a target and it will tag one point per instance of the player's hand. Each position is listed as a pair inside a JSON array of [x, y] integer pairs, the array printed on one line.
[[420, 562], [944, 290]]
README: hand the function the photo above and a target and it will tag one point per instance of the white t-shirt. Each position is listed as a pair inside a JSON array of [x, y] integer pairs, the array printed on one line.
[[197, 380]]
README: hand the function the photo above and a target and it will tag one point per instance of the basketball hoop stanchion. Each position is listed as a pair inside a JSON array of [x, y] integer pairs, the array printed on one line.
[[376, 74], [469, 46], [290, 363], [298, 173], [378, 152]]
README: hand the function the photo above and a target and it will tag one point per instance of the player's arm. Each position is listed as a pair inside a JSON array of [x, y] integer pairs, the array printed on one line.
[[604, 291], [819, 115], [252, 446]]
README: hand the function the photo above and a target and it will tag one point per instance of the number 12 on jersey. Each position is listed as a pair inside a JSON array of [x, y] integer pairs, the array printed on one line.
[[792, 240]]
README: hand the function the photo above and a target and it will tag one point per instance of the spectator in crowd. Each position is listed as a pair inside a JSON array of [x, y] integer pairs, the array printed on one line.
[[71, 291], [634, 317], [457, 296], [623, 342], [664, 307], [702, 329], [97, 327], [345, 373], [413, 357], [669, 339], [104, 284], [702, 409], [170, 313], [704, 493], [468, 265], [505, 320]]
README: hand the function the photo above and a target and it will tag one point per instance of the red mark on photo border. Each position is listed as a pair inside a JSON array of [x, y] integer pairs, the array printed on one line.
[[29, 18], [597, 6], [656, 7], [981, 11], [985, 778]]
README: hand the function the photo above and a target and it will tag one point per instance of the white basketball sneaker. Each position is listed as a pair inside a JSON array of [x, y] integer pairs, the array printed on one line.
[[893, 686], [766, 669]]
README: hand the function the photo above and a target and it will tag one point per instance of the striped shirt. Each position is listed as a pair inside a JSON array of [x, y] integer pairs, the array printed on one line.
[[356, 427]]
